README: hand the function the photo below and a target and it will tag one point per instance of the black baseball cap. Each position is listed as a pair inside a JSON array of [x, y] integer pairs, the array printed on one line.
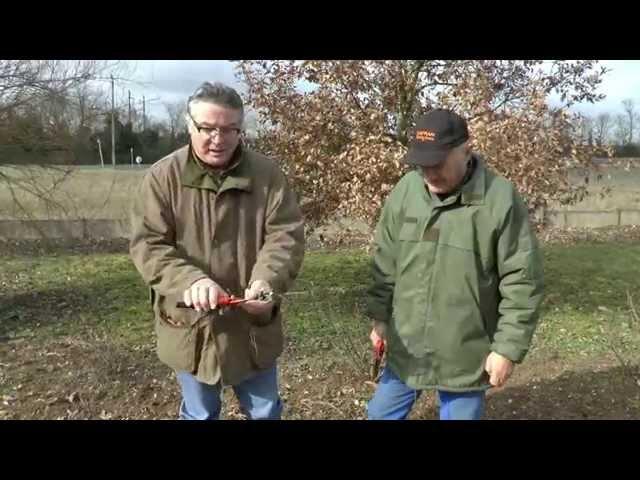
[[434, 136]]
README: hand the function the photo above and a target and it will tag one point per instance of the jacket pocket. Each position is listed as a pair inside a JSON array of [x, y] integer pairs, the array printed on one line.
[[409, 246], [462, 240], [178, 335], [176, 346], [410, 232], [166, 309]]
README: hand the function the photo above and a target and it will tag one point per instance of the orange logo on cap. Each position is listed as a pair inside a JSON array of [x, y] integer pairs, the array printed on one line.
[[425, 136]]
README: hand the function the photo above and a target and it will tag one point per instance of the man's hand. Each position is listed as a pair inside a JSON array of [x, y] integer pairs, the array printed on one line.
[[499, 369], [203, 295], [378, 332], [257, 307]]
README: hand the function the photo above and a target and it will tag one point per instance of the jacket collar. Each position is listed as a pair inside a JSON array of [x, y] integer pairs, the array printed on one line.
[[474, 190], [236, 176], [470, 193]]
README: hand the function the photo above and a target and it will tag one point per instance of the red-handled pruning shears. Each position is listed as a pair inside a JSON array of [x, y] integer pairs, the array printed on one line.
[[378, 353], [225, 300]]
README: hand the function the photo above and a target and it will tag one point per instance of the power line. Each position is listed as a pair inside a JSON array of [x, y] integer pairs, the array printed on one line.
[[144, 101]]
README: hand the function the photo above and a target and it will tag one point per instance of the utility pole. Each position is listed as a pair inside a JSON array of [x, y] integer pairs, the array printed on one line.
[[113, 124], [100, 151], [144, 115], [129, 107]]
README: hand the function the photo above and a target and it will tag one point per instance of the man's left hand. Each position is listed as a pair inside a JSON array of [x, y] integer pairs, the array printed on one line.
[[499, 369], [254, 306]]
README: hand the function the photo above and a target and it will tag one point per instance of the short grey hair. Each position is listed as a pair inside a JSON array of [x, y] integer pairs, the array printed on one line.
[[219, 94]]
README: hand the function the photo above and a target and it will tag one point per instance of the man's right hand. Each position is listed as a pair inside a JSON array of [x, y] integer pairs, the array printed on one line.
[[378, 333], [203, 295]]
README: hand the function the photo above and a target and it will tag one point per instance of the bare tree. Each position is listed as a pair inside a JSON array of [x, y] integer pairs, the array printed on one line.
[[631, 116], [602, 128], [177, 120], [585, 130], [55, 97], [89, 103], [27, 81], [623, 132], [43, 103]]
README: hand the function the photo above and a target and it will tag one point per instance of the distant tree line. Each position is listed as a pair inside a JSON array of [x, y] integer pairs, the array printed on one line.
[[619, 130], [59, 112]]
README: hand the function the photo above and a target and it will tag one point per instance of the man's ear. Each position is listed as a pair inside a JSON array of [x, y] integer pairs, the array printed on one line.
[[467, 147]]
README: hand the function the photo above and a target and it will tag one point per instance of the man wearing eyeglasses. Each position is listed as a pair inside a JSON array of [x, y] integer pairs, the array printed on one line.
[[216, 218]]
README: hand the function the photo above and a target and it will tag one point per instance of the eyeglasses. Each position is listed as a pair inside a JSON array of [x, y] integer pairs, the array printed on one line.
[[211, 131]]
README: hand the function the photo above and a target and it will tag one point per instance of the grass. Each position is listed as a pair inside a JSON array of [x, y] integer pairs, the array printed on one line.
[[78, 322], [586, 296], [102, 294], [79, 192]]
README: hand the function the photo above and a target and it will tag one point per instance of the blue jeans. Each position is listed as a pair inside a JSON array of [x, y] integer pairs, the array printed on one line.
[[393, 400], [258, 397]]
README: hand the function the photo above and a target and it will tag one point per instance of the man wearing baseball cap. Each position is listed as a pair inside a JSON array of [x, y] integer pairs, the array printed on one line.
[[457, 277]]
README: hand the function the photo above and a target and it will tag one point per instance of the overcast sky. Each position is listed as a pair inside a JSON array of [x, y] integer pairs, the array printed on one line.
[[175, 80]]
